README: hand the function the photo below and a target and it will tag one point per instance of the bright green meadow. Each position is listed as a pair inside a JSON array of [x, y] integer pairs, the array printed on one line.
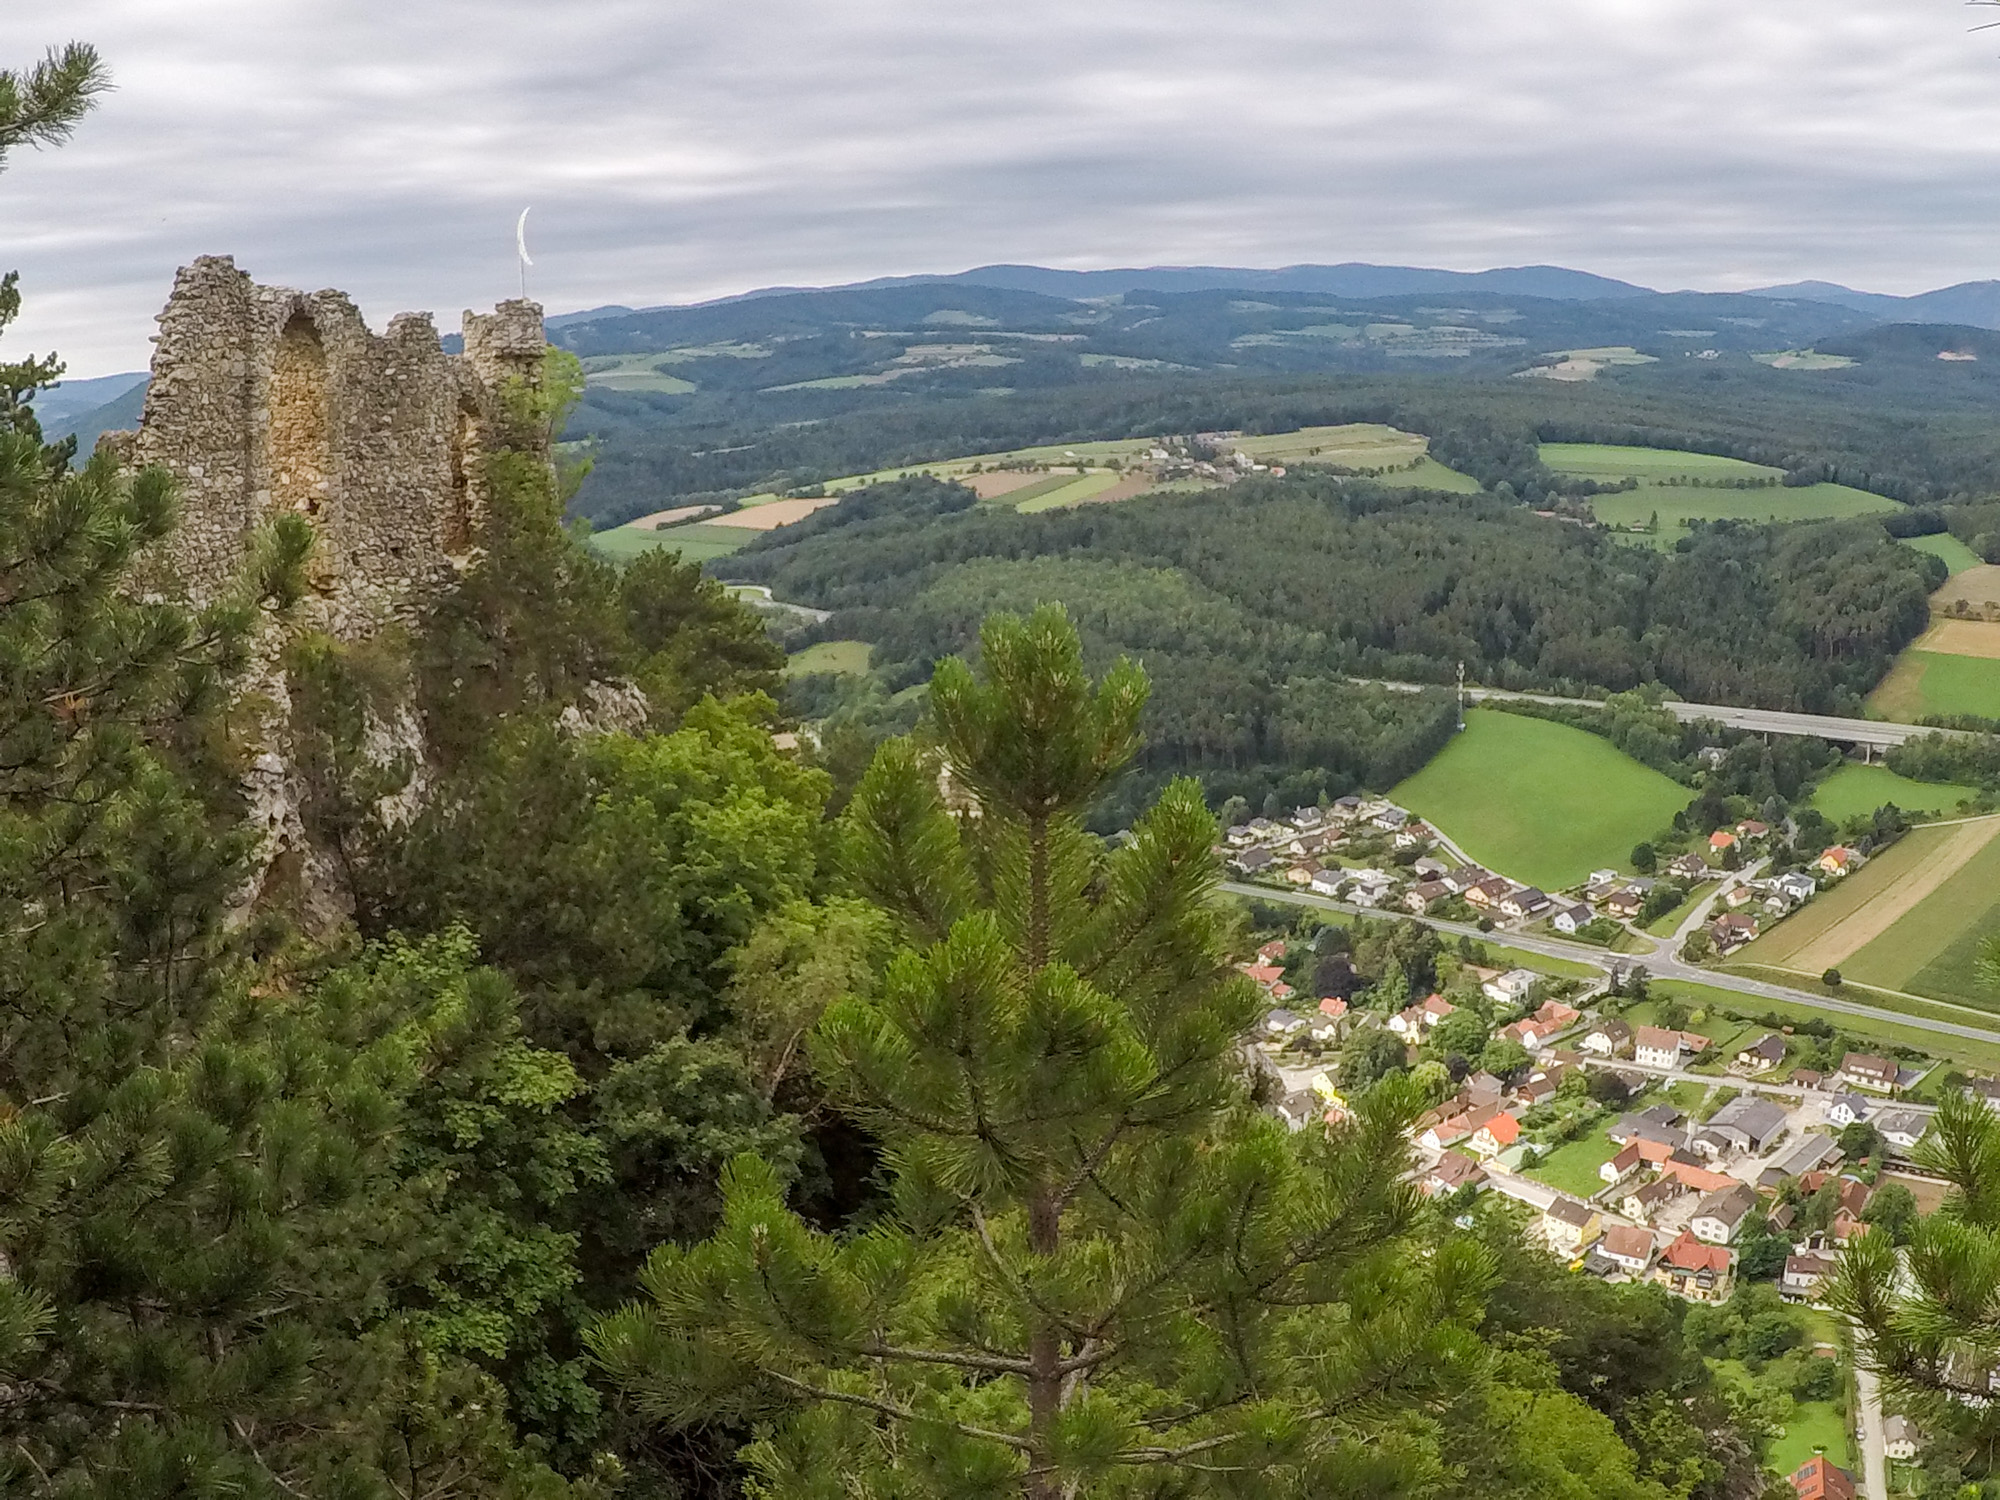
[[1676, 504], [1856, 791], [849, 658], [1540, 801], [1957, 556]]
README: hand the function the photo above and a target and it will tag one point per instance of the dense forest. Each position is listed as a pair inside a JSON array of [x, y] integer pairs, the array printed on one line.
[[1252, 605]]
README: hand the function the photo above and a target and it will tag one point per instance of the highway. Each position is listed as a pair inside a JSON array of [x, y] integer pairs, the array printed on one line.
[[1660, 964], [1875, 734]]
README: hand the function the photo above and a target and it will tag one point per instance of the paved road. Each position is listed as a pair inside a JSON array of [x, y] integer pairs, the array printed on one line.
[[1874, 1442], [1873, 733], [1706, 907], [1537, 1195], [1660, 964]]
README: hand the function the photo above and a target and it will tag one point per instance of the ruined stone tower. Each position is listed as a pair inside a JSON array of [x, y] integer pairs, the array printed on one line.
[[266, 400]]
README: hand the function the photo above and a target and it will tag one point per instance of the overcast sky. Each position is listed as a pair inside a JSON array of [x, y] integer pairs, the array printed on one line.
[[681, 149]]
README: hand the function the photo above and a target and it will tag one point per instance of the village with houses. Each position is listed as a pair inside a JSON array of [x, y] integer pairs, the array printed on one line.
[[1323, 850], [1695, 1160]]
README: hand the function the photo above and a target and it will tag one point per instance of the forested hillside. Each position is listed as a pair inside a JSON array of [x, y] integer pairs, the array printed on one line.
[[1250, 605]]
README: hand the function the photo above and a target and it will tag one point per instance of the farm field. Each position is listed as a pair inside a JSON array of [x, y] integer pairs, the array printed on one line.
[[1609, 461], [1077, 489], [770, 515], [1883, 894], [1931, 949], [1676, 505], [1804, 359], [1506, 792], [634, 372], [1856, 791], [1926, 683], [1957, 556], [1977, 586], [850, 658], [697, 543], [1587, 364], [1705, 498], [1962, 638], [1059, 474]]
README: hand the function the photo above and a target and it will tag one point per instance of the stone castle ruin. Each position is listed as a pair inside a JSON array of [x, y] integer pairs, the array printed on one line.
[[266, 400]]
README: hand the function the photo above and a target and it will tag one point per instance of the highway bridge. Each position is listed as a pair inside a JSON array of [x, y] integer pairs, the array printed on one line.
[[1868, 735]]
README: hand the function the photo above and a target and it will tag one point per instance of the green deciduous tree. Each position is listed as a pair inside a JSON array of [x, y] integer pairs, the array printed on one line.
[[1101, 1273]]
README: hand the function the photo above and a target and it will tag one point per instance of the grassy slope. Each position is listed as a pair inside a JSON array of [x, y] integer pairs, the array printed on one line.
[[1539, 801], [847, 657], [1958, 557], [1606, 461], [1856, 791], [1676, 504]]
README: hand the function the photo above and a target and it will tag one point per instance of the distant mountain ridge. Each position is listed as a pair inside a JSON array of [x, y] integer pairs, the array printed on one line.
[[1973, 303]]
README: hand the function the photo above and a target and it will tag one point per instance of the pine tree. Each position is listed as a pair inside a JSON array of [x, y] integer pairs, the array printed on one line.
[[1925, 1314], [1102, 1272], [213, 1229]]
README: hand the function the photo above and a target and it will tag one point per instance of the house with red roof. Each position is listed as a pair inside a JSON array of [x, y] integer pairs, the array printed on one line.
[[1496, 1135], [1816, 1479], [1700, 1273]]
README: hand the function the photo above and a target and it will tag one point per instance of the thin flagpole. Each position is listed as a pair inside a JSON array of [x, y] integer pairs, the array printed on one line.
[[521, 245]]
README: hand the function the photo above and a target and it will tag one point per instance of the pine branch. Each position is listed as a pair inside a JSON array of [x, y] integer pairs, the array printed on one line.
[[43, 105], [900, 1413]]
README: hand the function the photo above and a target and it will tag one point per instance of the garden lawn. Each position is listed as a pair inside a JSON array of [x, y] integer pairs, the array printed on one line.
[[1540, 801], [1669, 924], [1541, 963], [1572, 1167], [1814, 1425], [1856, 791]]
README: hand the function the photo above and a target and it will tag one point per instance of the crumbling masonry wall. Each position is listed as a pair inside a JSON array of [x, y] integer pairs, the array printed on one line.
[[266, 400]]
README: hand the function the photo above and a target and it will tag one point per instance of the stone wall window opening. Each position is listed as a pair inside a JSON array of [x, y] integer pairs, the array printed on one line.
[[300, 447]]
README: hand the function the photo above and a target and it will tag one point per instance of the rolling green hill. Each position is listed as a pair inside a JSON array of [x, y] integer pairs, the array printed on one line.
[[1540, 801]]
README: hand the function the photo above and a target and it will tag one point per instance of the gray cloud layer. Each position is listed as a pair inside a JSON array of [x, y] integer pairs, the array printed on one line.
[[676, 150]]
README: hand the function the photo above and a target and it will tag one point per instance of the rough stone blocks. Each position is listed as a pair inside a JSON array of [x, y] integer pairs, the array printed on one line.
[[266, 400]]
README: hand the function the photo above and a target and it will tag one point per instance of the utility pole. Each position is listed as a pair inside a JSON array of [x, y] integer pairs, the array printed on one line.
[[1461, 695]]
